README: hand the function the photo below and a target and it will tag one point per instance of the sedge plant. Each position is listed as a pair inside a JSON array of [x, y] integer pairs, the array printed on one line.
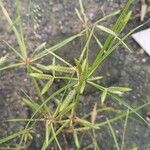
[[63, 119]]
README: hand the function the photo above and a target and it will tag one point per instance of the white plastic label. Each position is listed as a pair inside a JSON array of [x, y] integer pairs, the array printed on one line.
[[143, 38]]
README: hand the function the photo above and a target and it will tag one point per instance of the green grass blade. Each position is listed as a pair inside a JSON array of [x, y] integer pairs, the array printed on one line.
[[81, 7], [86, 45], [24, 120], [15, 22], [41, 76], [59, 58], [19, 40], [57, 68], [13, 148], [113, 134], [57, 46], [31, 104], [65, 111], [86, 123], [122, 101], [3, 59], [122, 115], [47, 86], [39, 48], [13, 49], [12, 66], [44, 147], [47, 132], [66, 78], [38, 91], [118, 90], [67, 100], [111, 49], [103, 96], [118, 27], [59, 91], [98, 41], [107, 16], [55, 137], [10, 137], [95, 78], [34, 69], [75, 136], [79, 15], [124, 130], [114, 34]]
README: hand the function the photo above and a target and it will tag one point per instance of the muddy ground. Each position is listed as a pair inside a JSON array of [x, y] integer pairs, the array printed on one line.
[[53, 20]]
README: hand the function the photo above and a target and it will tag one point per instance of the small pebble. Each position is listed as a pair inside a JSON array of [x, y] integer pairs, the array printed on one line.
[[38, 135], [143, 60], [25, 79]]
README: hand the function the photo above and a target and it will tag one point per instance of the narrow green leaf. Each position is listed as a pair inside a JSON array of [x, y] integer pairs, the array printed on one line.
[[114, 34], [66, 110], [85, 48], [113, 134], [55, 137], [67, 100], [65, 78], [119, 117], [19, 40], [58, 92], [87, 123], [15, 22], [116, 90], [76, 139], [57, 46], [97, 86], [40, 47], [103, 96], [44, 147], [124, 130], [98, 41], [82, 87], [12, 66], [94, 114], [27, 137], [84, 64], [31, 104], [47, 86], [41, 76], [106, 30], [36, 69], [57, 68], [59, 58], [23, 120], [95, 78], [108, 16], [13, 49], [110, 41], [47, 132], [78, 14], [3, 59], [10, 137], [123, 102], [13, 148], [79, 67], [120, 100], [81, 7], [53, 63]]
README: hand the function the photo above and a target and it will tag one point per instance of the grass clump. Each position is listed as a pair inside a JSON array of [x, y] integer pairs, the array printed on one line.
[[63, 118]]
